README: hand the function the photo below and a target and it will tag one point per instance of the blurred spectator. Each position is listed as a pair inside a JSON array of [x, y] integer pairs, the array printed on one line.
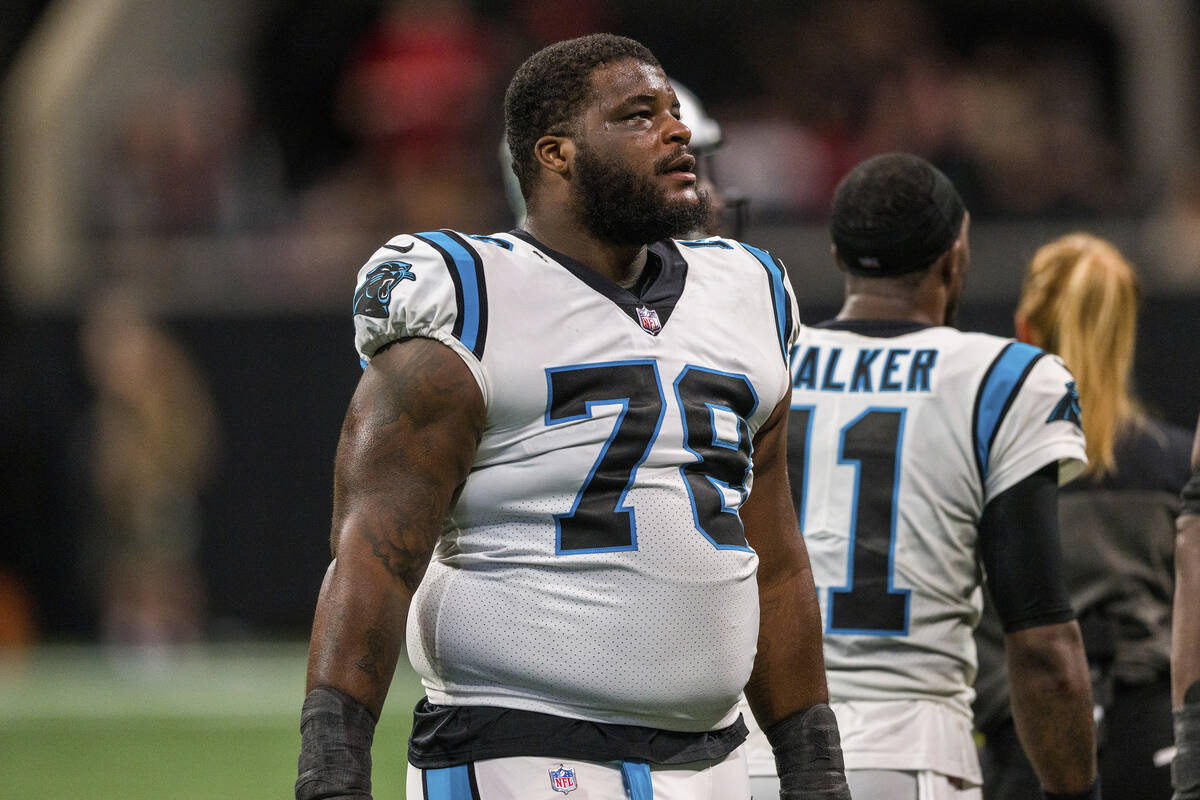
[[1021, 129], [187, 158], [1034, 121], [421, 101], [387, 112], [1173, 234], [843, 81], [151, 446]]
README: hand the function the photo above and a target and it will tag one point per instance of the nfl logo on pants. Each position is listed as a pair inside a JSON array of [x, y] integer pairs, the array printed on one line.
[[563, 780]]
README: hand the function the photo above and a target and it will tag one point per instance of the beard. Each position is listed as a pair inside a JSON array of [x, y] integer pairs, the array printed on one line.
[[617, 205]]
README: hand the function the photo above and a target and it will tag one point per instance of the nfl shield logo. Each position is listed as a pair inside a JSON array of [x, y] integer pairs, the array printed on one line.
[[563, 780], [649, 319]]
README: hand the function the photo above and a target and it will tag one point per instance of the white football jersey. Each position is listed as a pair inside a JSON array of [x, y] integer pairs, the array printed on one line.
[[896, 445], [594, 564]]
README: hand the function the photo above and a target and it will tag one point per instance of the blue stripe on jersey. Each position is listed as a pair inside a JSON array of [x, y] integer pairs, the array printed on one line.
[[706, 243], [636, 775], [783, 309], [449, 783], [1001, 383], [492, 240], [470, 290]]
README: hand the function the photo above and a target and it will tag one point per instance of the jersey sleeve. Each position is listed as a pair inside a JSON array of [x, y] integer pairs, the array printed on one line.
[[795, 326], [1038, 422], [784, 307], [427, 285]]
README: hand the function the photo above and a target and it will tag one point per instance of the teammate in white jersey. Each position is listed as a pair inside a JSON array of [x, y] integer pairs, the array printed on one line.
[[917, 454], [559, 473]]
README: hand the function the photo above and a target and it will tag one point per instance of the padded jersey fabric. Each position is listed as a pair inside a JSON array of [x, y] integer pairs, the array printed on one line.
[[593, 566], [901, 436]]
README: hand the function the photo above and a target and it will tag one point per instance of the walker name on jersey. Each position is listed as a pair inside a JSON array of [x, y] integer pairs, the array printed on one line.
[[818, 368]]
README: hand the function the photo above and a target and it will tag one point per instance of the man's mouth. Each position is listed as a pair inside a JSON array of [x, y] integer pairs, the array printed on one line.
[[682, 166]]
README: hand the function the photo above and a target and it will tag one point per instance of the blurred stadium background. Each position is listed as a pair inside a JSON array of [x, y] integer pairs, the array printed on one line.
[[190, 186]]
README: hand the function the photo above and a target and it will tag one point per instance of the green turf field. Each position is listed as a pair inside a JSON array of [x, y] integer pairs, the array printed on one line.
[[79, 722]]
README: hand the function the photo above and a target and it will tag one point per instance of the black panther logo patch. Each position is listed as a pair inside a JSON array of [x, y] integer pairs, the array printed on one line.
[[373, 297], [1068, 407]]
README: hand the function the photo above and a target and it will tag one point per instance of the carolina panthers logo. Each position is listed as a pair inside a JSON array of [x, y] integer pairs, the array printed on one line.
[[1068, 407], [372, 298]]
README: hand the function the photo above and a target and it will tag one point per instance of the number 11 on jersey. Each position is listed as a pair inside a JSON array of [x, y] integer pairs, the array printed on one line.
[[871, 444]]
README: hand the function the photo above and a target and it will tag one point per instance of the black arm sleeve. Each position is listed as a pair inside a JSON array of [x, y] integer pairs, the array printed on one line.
[[1021, 552]]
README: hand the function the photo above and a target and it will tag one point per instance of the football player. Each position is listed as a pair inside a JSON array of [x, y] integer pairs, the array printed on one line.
[[918, 452], [563, 478], [1079, 300]]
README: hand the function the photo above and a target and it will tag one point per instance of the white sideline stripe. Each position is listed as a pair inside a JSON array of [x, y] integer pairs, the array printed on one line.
[[243, 686]]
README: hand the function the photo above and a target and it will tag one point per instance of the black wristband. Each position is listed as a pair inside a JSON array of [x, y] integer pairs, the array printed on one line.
[[1091, 793], [808, 755], [1185, 769], [335, 747]]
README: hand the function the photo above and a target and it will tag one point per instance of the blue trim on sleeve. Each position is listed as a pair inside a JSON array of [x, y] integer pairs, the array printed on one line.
[[492, 240], [779, 298], [470, 290], [636, 776], [997, 392], [694, 243]]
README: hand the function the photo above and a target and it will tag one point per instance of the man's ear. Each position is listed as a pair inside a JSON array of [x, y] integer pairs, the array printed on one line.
[[943, 268], [555, 153], [957, 259], [948, 267]]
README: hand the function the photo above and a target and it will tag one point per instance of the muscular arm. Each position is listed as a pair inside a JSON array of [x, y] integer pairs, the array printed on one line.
[[787, 690], [789, 668], [1185, 645], [406, 447], [1047, 666], [1052, 704]]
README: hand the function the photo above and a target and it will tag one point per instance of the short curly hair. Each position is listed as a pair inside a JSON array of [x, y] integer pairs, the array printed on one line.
[[894, 213], [548, 91]]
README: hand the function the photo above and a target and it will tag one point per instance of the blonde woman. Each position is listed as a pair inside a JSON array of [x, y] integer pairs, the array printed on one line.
[[1079, 300]]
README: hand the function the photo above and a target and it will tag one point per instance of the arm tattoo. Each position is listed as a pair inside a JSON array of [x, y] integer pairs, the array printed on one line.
[[374, 662], [407, 445], [403, 562]]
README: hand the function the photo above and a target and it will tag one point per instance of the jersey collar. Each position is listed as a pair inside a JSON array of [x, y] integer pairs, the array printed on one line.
[[878, 328], [658, 290]]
